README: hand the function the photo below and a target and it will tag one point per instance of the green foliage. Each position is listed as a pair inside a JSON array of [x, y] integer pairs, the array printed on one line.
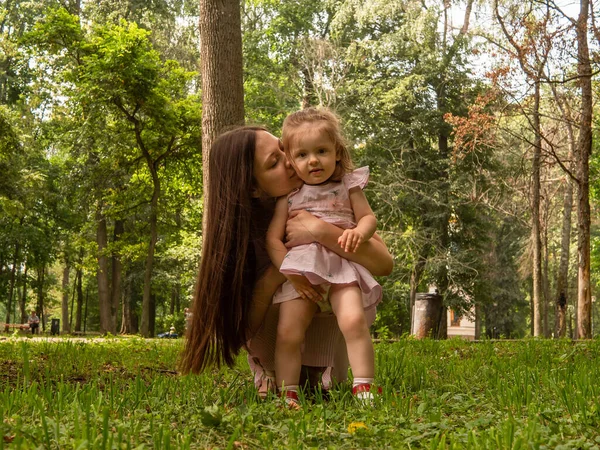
[[125, 392]]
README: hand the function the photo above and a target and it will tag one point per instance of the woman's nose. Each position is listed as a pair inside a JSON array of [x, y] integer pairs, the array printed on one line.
[[288, 164]]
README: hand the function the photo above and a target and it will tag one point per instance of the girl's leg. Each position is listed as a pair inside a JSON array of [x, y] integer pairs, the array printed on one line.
[[346, 302], [294, 318]]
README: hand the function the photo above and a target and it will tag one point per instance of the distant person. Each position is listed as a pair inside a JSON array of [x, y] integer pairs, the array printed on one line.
[[34, 322]]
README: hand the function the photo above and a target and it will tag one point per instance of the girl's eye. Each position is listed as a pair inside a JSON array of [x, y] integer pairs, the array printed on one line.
[[321, 151]]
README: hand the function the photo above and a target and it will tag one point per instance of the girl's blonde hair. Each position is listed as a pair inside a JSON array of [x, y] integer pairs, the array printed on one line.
[[330, 124]]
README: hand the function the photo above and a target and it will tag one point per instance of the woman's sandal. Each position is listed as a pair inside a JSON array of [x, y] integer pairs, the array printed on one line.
[[267, 384]]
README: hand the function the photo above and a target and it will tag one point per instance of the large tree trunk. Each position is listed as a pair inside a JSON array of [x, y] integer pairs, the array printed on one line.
[[584, 150], [535, 217], [222, 73], [103, 285], [66, 328], [11, 290], [116, 275]]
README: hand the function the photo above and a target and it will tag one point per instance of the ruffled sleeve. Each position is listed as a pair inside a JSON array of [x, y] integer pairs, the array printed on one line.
[[359, 177]]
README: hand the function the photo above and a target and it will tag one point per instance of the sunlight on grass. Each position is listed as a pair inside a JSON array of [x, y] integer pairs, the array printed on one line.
[[120, 394]]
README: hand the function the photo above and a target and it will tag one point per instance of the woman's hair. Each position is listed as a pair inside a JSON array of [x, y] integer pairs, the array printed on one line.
[[329, 123], [223, 291]]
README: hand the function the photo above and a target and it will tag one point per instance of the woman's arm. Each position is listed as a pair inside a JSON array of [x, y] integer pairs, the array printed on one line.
[[303, 228]]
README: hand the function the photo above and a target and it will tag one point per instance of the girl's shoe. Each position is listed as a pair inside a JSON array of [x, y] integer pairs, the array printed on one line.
[[290, 399], [364, 393]]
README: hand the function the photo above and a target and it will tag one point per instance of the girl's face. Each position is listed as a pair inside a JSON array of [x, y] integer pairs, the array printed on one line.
[[273, 173], [313, 154]]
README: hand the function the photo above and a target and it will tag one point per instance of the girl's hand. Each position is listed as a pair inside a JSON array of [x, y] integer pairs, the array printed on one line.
[[306, 290], [301, 228], [350, 240]]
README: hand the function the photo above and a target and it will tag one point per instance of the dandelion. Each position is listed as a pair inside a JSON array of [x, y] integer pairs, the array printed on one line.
[[355, 426]]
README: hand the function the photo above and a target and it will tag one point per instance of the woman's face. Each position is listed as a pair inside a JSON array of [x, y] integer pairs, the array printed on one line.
[[273, 173]]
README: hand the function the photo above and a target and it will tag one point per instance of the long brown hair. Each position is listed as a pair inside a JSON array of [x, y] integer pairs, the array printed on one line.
[[223, 292]]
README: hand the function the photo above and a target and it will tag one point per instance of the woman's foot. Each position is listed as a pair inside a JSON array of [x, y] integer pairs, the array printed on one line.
[[267, 385]]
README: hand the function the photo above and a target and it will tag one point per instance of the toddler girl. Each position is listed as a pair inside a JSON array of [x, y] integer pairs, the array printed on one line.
[[332, 192]]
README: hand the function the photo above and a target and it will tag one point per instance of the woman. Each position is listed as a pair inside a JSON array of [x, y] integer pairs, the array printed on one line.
[[236, 282]]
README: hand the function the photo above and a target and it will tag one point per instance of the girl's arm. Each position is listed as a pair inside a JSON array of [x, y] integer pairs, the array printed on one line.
[[277, 251], [262, 297], [303, 228], [366, 223]]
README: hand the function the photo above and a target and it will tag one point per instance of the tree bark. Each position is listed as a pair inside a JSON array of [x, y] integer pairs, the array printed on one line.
[[41, 272], [148, 310], [584, 150], [78, 313], [415, 279], [23, 303], [126, 319], [562, 285], [563, 269], [65, 298], [103, 282], [116, 275], [535, 216], [11, 291], [222, 73]]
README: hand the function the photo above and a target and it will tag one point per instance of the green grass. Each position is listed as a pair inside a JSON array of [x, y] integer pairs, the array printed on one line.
[[124, 393]]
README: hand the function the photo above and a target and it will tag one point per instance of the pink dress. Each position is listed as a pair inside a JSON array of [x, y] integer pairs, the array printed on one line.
[[331, 203]]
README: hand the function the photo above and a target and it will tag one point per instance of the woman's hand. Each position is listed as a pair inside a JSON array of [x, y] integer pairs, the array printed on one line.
[[301, 228]]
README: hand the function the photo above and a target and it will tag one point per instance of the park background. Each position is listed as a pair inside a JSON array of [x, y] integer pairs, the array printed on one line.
[[475, 118]]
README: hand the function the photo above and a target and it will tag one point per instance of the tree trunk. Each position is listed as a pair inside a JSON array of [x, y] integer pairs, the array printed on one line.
[[41, 272], [65, 298], [126, 322], [116, 275], [173, 300], [24, 296], [11, 291], [148, 310], [222, 74], [546, 278], [477, 321], [78, 314], [563, 270], [103, 286], [415, 279], [535, 217], [584, 150]]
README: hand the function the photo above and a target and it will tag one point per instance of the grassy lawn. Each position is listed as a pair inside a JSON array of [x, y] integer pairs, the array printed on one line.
[[125, 393]]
